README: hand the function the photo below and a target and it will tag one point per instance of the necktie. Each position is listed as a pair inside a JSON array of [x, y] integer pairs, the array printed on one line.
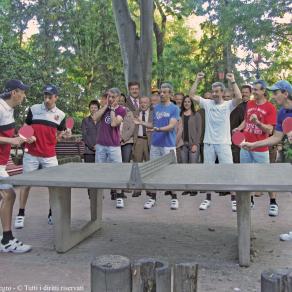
[[143, 120], [135, 103]]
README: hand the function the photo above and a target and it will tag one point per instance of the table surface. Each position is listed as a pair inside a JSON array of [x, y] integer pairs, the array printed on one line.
[[220, 177]]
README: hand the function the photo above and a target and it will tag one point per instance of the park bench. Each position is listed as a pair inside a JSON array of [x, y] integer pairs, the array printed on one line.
[[12, 168], [160, 174], [70, 148]]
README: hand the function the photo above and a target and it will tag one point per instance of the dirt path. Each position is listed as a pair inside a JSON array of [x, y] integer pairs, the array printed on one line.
[[207, 237]]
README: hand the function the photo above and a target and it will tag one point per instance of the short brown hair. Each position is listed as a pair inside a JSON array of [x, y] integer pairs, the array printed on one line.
[[247, 87], [132, 83]]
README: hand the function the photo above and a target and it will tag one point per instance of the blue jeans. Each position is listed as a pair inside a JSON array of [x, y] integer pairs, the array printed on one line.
[[254, 157], [222, 151], [157, 152], [110, 154]]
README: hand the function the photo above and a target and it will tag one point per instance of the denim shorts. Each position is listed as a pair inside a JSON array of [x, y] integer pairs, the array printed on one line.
[[31, 163], [254, 157]]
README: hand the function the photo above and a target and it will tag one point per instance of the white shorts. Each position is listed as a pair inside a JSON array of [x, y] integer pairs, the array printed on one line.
[[31, 163], [4, 174]]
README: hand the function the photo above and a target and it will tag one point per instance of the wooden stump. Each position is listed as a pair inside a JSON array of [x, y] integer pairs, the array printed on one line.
[[185, 277], [111, 273], [276, 280], [151, 275]]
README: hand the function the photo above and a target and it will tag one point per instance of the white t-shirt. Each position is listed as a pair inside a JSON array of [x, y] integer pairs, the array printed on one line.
[[217, 121]]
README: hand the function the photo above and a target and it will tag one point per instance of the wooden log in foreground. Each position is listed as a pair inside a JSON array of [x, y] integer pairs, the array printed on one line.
[[186, 277], [279, 280], [111, 273], [151, 275]]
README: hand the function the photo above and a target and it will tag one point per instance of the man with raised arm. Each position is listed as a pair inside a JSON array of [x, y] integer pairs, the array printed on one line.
[[217, 138]]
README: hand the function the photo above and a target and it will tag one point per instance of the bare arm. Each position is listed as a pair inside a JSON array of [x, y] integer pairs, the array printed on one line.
[[169, 127], [237, 94], [148, 125], [264, 127], [273, 140], [240, 127], [12, 141], [194, 87], [98, 115]]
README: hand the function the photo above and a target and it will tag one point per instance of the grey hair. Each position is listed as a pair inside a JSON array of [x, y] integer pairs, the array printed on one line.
[[167, 85], [218, 84], [115, 90]]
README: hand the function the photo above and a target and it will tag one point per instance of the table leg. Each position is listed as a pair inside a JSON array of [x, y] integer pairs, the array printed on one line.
[[244, 227], [60, 202]]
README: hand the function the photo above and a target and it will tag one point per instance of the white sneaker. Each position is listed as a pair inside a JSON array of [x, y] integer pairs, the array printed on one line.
[[149, 204], [174, 204], [120, 203], [273, 210], [286, 236], [19, 222], [233, 206], [205, 205], [15, 246]]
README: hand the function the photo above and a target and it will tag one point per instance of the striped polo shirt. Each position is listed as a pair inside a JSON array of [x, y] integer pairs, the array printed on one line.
[[7, 128], [45, 123]]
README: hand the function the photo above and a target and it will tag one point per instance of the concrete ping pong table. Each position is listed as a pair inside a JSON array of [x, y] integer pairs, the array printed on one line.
[[159, 174]]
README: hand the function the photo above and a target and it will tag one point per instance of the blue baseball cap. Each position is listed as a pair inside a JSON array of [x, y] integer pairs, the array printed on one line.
[[15, 84], [50, 89], [261, 82], [281, 85]]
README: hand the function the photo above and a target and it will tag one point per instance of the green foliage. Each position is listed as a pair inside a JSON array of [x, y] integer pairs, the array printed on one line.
[[76, 49], [179, 58]]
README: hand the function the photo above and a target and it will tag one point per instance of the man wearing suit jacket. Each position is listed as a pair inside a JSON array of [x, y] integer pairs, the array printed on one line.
[[133, 100], [142, 138], [132, 104]]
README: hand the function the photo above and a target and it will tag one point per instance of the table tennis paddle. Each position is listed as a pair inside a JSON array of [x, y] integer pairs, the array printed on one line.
[[237, 138], [26, 132], [287, 125], [69, 123]]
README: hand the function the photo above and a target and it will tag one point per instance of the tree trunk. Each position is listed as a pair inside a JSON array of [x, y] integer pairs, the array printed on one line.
[[159, 36], [136, 52]]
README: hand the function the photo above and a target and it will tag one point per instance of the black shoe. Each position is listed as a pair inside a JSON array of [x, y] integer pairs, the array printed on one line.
[[185, 193], [122, 195], [222, 194], [136, 194], [113, 195], [193, 193]]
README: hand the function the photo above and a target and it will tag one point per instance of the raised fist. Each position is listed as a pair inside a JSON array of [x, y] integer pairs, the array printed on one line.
[[230, 77], [200, 76]]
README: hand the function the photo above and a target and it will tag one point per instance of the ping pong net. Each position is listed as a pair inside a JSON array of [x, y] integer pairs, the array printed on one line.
[[142, 170]]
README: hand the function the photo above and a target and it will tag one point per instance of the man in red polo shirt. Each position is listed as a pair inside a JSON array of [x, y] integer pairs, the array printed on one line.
[[259, 122], [48, 122], [13, 95]]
